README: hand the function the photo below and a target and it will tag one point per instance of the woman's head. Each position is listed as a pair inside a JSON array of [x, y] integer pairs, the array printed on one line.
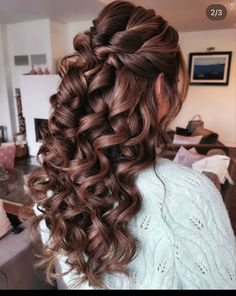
[[118, 93], [132, 43]]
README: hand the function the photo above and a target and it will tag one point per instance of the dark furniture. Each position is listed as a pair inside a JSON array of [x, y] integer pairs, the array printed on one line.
[[15, 197]]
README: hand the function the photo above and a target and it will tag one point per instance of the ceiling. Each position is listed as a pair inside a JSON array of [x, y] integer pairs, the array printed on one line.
[[64, 11], [184, 15]]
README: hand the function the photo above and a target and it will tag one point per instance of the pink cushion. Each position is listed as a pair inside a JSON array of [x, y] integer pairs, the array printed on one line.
[[7, 154], [186, 157]]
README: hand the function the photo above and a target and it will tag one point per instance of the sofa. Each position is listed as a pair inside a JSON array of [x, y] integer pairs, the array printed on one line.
[[16, 262]]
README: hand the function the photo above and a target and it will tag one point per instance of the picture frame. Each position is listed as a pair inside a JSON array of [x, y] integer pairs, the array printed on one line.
[[209, 68]]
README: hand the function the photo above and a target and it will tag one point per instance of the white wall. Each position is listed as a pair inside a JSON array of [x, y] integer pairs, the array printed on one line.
[[36, 91], [216, 104], [74, 28], [34, 37], [5, 118], [59, 43], [25, 39]]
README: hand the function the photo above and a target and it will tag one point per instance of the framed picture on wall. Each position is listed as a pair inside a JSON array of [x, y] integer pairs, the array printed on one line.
[[209, 68]]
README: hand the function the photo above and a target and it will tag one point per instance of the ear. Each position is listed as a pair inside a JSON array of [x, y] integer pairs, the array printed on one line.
[[159, 87]]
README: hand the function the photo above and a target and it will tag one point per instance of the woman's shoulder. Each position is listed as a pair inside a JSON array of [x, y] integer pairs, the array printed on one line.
[[196, 222], [187, 197], [176, 178], [202, 234], [173, 171]]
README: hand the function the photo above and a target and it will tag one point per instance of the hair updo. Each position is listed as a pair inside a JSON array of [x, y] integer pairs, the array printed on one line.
[[103, 129]]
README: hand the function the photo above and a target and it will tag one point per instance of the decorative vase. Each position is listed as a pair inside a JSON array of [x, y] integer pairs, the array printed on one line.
[[40, 72], [33, 71], [46, 71]]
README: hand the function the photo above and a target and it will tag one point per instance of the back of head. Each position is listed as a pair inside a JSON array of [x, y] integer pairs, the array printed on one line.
[[103, 130]]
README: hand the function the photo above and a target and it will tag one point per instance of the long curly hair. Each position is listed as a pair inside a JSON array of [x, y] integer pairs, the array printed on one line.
[[103, 130]]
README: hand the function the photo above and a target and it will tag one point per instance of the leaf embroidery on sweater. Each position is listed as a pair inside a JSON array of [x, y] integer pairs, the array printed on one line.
[[196, 222], [145, 222]]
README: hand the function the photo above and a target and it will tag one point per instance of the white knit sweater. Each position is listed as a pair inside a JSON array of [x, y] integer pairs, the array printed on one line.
[[186, 239]]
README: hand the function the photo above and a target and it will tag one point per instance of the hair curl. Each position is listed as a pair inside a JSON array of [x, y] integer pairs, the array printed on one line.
[[103, 129]]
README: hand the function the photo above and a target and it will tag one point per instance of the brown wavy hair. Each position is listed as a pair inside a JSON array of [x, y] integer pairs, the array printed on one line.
[[102, 131]]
